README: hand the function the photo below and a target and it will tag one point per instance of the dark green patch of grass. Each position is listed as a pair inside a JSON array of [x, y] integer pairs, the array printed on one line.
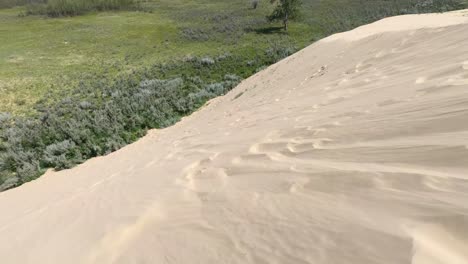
[[61, 8]]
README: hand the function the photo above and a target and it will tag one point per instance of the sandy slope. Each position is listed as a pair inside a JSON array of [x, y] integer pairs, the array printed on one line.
[[354, 150]]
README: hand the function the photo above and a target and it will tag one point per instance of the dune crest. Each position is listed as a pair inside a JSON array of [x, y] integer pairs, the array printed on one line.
[[353, 150]]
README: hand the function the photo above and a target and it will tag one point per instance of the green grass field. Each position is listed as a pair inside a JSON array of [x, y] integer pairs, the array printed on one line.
[[39, 55]]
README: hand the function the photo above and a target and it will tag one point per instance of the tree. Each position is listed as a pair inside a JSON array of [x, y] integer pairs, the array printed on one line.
[[284, 11], [254, 4]]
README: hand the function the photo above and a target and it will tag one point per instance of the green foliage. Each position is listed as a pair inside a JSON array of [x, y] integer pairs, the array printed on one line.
[[254, 3], [102, 115], [59, 8], [342, 15], [285, 10], [61, 155], [13, 3]]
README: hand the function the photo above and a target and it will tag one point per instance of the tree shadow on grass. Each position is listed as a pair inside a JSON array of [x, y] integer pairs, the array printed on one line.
[[270, 30]]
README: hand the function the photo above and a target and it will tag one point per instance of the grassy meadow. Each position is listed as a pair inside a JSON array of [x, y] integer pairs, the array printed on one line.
[[78, 85], [39, 55]]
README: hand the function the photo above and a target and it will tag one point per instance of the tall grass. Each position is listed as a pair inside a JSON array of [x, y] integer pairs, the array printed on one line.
[[13, 3], [58, 8], [341, 15]]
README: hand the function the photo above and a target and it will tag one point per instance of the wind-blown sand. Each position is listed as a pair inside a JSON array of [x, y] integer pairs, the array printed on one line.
[[354, 150]]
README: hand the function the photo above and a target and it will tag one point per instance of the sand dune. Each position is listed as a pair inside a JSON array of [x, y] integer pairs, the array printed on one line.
[[354, 150]]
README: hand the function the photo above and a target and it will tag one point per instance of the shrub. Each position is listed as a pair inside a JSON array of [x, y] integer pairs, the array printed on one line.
[[338, 16], [8, 182], [277, 52], [226, 27], [61, 155], [13, 3], [207, 61], [101, 116], [254, 4], [195, 34], [223, 56], [284, 11], [58, 8]]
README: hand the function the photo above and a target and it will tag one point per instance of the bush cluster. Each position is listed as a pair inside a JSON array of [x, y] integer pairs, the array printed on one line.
[[338, 16], [13, 3], [228, 27], [59, 8], [102, 114], [77, 129]]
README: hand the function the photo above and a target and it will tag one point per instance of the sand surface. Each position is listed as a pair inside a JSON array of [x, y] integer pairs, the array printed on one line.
[[354, 150]]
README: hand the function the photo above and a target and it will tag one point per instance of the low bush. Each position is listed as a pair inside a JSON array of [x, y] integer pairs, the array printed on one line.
[[13, 3], [227, 27], [254, 4], [59, 8], [277, 51], [69, 133], [195, 34], [338, 16], [102, 115]]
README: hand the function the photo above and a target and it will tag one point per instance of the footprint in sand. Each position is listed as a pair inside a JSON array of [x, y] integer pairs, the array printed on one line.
[[388, 102], [465, 65], [342, 81], [259, 148], [420, 80], [320, 72], [201, 176], [380, 54], [351, 114], [333, 100], [362, 66], [298, 184]]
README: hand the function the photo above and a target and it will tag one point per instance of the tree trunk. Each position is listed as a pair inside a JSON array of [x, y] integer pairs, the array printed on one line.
[[285, 22]]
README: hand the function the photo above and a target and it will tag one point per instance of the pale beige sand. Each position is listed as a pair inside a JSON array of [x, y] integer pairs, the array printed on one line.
[[354, 150]]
